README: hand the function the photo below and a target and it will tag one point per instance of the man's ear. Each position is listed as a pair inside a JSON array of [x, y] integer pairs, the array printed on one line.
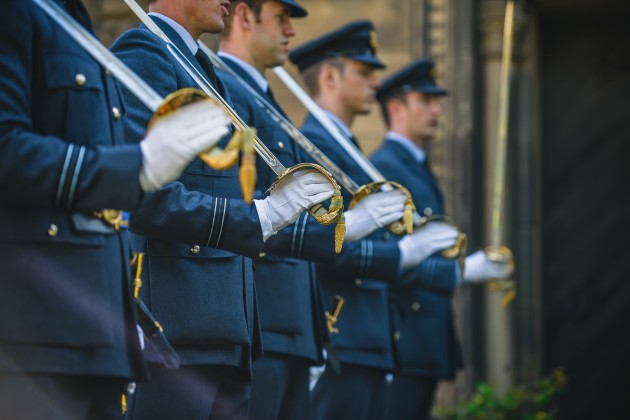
[[329, 76], [243, 14]]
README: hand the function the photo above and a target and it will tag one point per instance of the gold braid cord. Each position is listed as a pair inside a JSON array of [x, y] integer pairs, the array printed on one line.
[[401, 227], [503, 255], [217, 158], [332, 315], [334, 214]]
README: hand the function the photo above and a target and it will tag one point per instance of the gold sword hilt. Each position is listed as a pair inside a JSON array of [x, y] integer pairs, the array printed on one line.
[[399, 227]]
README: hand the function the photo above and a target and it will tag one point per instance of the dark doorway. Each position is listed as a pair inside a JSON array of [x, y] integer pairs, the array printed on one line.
[[585, 63]]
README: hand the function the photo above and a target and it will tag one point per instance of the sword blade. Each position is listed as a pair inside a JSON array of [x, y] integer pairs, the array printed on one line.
[[102, 55], [357, 156], [498, 190], [306, 145], [276, 166]]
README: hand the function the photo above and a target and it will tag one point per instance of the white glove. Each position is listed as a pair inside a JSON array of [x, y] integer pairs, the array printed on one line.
[[175, 139], [292, 195], [478, 268], [374, 211], [431, 238]]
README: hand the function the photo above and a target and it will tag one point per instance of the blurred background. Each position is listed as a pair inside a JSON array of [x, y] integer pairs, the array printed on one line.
[[567, 215]]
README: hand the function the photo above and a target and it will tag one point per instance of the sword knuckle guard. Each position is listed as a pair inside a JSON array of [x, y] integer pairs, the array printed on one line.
[[334, 214], [399, 227]]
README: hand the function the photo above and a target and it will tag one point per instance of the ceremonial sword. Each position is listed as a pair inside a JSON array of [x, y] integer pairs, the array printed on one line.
[[355, 154], [364, 163], [350, 185], [321, 215], [496, 251]]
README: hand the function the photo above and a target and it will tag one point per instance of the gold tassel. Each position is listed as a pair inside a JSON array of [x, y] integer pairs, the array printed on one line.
[[123, 403], [340, 233], [408, 217]]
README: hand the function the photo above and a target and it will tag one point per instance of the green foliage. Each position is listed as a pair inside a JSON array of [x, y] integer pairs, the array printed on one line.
[[524, 402]]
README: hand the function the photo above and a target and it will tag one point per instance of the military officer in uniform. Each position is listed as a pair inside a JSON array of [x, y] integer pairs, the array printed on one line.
[[198, 236], [256, 39], [338, 68], [68, 339], [428, 349]]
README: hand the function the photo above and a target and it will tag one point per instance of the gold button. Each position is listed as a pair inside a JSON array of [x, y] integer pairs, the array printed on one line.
[[415, 306], [357, 282], [116, 113], [428, 211], [80, 79], [396, 335], [281, 145], [195, 249], [53, 230], [262, 255], [108, 72]]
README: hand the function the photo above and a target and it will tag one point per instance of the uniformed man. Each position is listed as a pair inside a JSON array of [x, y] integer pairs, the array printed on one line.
[[255, 39], [339, 70], [192, 231], [428, 349], [68, 339]]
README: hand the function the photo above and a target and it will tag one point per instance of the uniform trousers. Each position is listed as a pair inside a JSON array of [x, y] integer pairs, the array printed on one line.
[[357, 393], [192, 392], [26, 396], [280, 388], [409, 397]]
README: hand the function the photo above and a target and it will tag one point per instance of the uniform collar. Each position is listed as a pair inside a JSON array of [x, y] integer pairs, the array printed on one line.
[[337, 121], [181, 31], [416, 151], [260, 80]]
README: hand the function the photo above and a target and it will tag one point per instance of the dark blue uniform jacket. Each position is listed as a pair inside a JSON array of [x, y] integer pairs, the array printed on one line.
[[195, 283], [65, 304], [290, 301], [423, 312]]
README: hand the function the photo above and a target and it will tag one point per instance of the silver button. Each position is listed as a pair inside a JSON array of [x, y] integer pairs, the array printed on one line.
[[195, 249], [396, 335], [357, 282], [386, 235], [428, 211], [116, 113], [415, 306], [53, 230], [281, 145], [80, 79]]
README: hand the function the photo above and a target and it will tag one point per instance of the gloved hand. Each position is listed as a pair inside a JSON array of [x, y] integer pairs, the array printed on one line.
[[431, 238], [478, 268], [292, 195], [374, 211], [175, 139]]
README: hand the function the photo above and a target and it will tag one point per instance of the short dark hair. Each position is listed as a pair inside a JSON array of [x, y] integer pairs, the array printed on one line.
[[310, 74], [255, 5], [400, 97]]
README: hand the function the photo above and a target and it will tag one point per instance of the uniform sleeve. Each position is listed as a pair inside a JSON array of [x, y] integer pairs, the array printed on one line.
[[44, 170], [434, 273]]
